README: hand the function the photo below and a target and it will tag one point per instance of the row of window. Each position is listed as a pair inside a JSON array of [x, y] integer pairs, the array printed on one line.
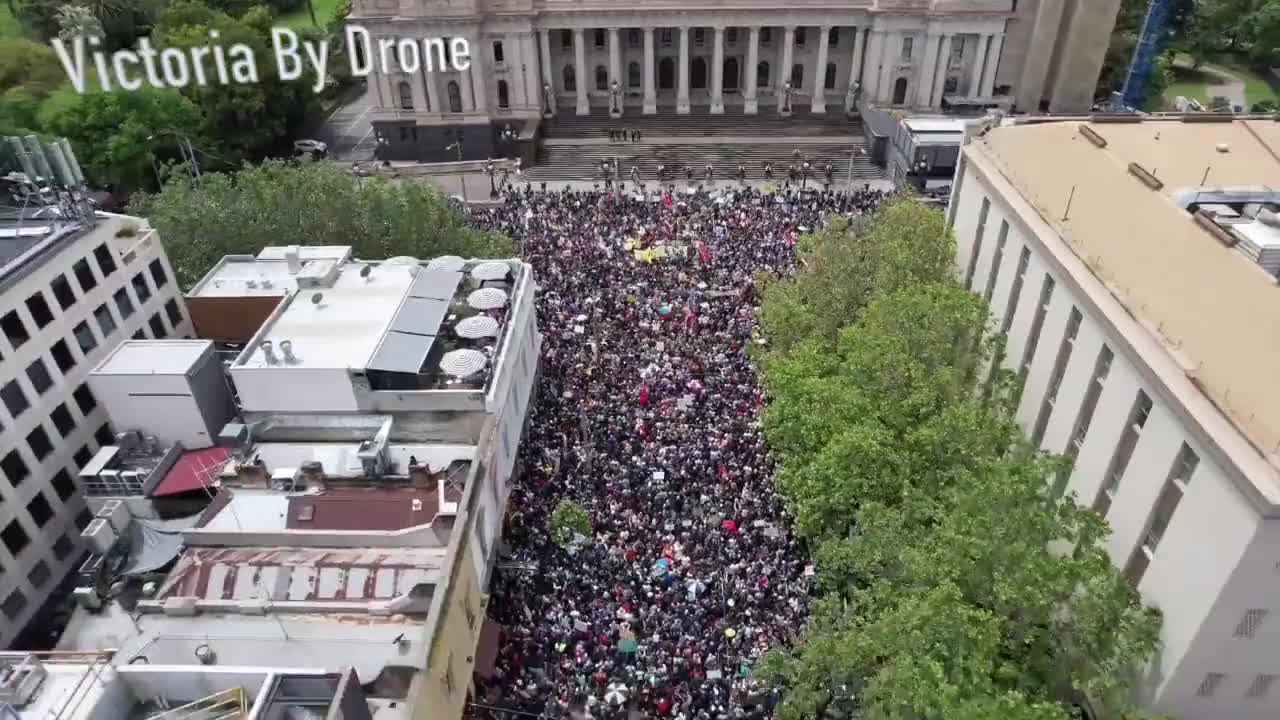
[[666, 38], [1184, 462], [11, 393], [15, 469], [40, 574]]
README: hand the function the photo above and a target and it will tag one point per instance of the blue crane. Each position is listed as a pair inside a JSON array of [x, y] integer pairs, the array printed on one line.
[[1150, 41]]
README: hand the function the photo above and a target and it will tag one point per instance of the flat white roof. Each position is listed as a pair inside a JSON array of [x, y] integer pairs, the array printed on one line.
[[1259, 233], [307, 252], [339, 326], [932, 125], [340, 459], [154, 357], [236, 277], [251, 510]]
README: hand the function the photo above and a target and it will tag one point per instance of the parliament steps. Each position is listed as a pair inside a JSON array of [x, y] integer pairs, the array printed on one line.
[[582, 162], [699, 123]]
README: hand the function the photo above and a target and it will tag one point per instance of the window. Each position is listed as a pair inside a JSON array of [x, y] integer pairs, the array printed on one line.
[[15, 401], [995, 261], [63, 485], [157, 326], [62, 420], [39, 310], [602, 78], [406, 101], [84, 274], [908, 44], [833, 37], [39, 510], [633, 38], [762, 75], [171, 305], [1210, 684], [103, 435], [1184, 464], [83, 518], [797, 76], [158, 274], [62, 356], [1123, 452], [1055, 378], [799, 37], [1260, 686], [62, 292], [1249, 624], [82, 456], [85, 338], [731, 35], [599, 37], [15, 470], [14, 605], [39, 574], [570, 79], [38, 441], [766, 35], [1015, 292], [699, 36], [123, 303], [106, 323], [633, 74], [1037, 324], [665, 37], [63, 547], [497, 52], [140, 287], [977, 242], [39, 376], [13, 329], [566, 39], [84, 399], [106, 263], [14, 537], [829, 79]]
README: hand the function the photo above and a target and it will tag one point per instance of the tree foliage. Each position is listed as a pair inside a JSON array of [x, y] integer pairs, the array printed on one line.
[[567, 520], [955, 583], [280, 203], [29, 71]]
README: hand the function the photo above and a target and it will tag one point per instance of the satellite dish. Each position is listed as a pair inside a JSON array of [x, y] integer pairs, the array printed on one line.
[[365, 271], [317, 297]]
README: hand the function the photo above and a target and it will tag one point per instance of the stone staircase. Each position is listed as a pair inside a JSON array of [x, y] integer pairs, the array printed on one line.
[[700, 123]]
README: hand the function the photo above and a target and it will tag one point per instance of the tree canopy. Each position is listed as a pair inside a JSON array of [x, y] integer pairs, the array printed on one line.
[[281, 203], [954, 583]]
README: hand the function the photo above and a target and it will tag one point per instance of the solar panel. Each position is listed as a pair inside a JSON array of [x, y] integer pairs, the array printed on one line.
[[401, 352], [435, 284], [420, 316]]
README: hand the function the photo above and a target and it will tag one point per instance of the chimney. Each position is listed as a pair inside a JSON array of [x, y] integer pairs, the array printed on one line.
[[294, 259], [286, 349], [268, 353]]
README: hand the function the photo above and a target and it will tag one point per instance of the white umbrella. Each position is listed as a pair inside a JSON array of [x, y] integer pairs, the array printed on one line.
[[490, 271], [462, 363], [477, 326], [616, 694], [487, 298], [446, 262]]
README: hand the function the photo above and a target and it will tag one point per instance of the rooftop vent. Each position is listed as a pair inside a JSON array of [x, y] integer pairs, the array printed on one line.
[[268, 353], [286, 349]]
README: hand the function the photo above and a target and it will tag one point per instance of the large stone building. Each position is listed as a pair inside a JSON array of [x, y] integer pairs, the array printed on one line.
[[1132, 268], [536, 58]]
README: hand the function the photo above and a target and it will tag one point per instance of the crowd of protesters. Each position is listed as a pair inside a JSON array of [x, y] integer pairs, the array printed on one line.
[[647, 418]]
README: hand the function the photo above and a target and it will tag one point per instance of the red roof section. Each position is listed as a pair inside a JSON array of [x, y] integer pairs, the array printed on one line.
[[193, 471]]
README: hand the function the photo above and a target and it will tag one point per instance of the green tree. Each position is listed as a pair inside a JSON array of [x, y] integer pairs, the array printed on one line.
[[244, 121], [111, 131], [567, 520], [29, 71], [282, 202]]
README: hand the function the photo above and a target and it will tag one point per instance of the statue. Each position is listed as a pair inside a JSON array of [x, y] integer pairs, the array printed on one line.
[[853, 95], [548, 100]]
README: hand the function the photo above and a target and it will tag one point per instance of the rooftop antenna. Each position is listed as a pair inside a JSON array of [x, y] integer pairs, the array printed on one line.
[[24, 159], [1205, 179], [1067, 213]]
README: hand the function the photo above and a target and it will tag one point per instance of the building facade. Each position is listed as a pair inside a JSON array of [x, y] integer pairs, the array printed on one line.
[[1136, 310], [67, 298], [534, 59]]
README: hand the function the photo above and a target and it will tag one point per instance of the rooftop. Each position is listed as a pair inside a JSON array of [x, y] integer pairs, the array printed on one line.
[[154, 357], [1212, 308], [269, 273]]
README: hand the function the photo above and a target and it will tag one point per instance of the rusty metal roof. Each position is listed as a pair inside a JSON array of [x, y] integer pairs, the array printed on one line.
[[296, 574], [364, 508]]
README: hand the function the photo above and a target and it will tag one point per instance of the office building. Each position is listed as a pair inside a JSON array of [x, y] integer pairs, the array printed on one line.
[[1132, 266], [70, 291]]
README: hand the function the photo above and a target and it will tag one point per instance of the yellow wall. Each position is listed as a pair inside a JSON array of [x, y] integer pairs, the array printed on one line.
[[454, 644]]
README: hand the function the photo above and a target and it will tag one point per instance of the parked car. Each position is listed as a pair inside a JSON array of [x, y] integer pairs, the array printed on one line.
[[316, 149]]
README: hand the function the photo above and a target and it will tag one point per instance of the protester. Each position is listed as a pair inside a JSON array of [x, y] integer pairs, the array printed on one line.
[[646, 416]]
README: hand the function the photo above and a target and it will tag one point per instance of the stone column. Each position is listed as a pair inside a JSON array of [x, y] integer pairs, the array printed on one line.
[[993, 64], [753, 59], [464, 84], [650, 92], [784, 65], [871, 69], [979, 59], [436, 101], [717, 73], [1030, 87], [944, 65], [855, 61], [548, 74], [476, 71], [682, 93], [889, 55], [818, 103], [580, 73], [924, 89], [615, 71]]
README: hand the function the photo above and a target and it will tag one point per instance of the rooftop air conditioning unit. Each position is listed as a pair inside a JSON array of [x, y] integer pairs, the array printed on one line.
[[116, 513], [20, 679], [100, 535], [287, 479], [87, 598], [446, 508]]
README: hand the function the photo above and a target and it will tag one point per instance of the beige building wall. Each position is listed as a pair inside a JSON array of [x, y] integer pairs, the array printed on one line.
[[1085, 39]]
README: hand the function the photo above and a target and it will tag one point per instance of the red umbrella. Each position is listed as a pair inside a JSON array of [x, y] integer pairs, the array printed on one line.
[[729, 526]]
